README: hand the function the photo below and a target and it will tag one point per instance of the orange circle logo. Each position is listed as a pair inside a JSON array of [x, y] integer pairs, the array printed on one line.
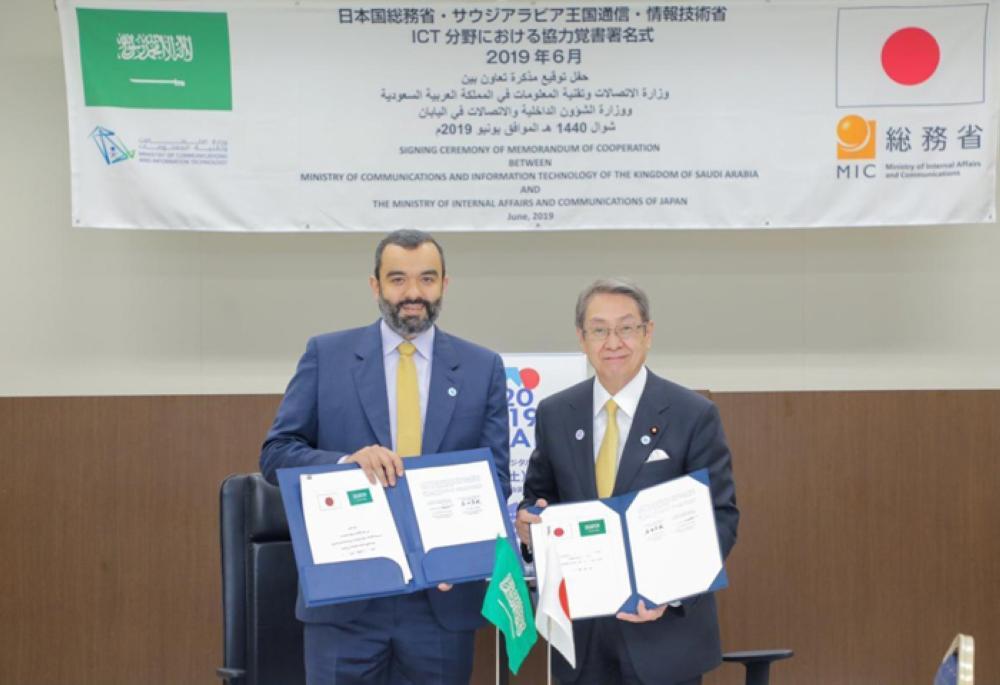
[[853, 132]]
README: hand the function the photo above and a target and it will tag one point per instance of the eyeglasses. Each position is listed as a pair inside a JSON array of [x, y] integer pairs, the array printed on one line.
[[626, 331]]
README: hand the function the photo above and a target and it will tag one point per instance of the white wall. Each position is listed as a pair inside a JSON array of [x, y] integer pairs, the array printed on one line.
[[87, 312]]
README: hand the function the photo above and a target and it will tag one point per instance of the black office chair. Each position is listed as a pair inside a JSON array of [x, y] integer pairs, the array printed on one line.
[[262, 640], [758, 663]]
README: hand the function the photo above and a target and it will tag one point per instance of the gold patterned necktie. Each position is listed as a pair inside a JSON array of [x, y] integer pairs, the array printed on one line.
[[407, 403], [607, 457]]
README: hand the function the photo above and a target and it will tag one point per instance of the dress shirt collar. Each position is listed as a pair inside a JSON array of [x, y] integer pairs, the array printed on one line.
[[627, 398], [391, 339]]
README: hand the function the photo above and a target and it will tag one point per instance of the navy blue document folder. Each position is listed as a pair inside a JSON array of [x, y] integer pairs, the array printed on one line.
[[346, 581], [621, 504]]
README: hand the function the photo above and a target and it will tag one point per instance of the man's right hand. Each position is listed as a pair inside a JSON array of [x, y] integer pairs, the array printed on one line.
[[525, 518], [378, 463]]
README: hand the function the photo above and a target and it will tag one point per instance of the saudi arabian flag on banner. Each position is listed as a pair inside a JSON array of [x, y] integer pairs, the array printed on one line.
[[508, 607], [155, 60]]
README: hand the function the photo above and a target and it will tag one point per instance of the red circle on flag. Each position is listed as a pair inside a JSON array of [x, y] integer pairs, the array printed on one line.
[[329, 501], [558, 532], [910, 56], [564, 598], [530, 378]]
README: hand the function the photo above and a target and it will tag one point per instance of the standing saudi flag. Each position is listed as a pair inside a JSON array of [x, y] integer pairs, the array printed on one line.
[[508, 607]]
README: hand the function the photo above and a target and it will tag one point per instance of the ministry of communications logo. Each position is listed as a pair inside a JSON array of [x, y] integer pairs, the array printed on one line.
[[112, 149]]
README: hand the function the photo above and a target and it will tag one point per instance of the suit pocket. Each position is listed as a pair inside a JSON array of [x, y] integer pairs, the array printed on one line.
[[653, 472], [464, 431]]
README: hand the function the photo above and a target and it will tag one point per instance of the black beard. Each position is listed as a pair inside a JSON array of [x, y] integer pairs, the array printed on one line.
[[409, 326]]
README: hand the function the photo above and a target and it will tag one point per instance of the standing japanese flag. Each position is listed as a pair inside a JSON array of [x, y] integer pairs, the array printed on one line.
[[552, 618], [911, 56]]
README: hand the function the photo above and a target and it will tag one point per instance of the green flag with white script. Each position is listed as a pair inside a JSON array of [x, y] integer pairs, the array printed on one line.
[[155, 60], [508, 607]]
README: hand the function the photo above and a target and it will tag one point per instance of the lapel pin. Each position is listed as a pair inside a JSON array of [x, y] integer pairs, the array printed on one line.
[[645, 440], [452, 392], [654, 430], [579, 434]]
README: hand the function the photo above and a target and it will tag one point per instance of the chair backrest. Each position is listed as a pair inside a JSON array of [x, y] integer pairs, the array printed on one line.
[[958, 665], [261, 635]]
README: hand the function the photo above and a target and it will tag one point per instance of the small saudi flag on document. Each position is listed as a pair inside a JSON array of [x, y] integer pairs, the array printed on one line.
[[508, 607]]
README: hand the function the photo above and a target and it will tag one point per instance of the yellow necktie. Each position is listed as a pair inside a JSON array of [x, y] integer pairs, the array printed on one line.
[[607, 456], [407, 403]]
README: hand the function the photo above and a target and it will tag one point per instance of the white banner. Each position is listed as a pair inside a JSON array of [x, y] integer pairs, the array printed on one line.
[[274, 115], [530, 379]]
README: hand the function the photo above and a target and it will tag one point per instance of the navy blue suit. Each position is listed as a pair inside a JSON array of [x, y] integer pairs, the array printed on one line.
[[684, 642], [336, 404]]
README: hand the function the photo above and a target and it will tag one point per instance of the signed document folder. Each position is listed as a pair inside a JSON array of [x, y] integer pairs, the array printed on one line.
[[658, 544], [354, 540]]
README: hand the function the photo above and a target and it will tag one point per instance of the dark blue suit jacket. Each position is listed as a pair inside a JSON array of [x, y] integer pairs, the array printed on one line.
[[336, 403], [685, 641]]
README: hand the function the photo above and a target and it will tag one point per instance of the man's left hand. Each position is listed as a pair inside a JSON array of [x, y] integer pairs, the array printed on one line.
[[444, 587], [642, 615]]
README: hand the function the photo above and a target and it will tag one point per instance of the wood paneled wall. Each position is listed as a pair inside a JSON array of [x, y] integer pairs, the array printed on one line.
[[868, 535]]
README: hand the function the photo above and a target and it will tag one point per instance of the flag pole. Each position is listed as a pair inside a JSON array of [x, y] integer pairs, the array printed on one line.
[[548, 654]]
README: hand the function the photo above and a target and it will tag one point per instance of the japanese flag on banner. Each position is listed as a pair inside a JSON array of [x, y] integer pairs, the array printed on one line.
[[552, 618], [911, 56]]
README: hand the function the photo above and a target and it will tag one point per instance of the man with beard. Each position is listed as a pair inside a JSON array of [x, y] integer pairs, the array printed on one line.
[[372, 396]]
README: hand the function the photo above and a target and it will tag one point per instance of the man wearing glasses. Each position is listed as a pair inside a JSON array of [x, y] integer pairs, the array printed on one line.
[[624, 430]]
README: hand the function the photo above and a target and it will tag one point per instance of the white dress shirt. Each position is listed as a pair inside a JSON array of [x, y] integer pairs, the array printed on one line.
[[627, 400], [422, 359]]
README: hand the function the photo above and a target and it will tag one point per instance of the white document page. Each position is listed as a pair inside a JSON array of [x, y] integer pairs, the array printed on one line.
[[675, 549], [587, 536], [348, 519], [455, 505]]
